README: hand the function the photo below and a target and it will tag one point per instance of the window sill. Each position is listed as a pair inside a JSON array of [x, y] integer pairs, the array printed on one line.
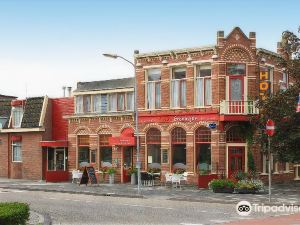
[[264, 174], [288, 171], [16, 161]]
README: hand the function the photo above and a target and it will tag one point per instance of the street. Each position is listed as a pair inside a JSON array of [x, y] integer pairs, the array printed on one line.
[[64, 208]]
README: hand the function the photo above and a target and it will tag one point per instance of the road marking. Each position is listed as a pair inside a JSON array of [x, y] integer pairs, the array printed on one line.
[[75, 200], [146, 206], [191, 223], [52, 198], [220, 221]]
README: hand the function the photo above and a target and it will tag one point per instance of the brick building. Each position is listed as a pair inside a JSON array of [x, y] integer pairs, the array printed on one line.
[[195, 104], [27, 127], [101, 130]]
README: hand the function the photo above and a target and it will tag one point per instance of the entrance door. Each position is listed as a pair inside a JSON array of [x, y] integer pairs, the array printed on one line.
[[236, 160], [127, 162], [236, 95], [60, 160]]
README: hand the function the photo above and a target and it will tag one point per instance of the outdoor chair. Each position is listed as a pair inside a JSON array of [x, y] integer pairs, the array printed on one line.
[[147, 179], [176, 179], [168, 178]]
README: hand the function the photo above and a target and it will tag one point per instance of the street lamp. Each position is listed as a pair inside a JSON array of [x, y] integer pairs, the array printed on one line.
[[138, 164]]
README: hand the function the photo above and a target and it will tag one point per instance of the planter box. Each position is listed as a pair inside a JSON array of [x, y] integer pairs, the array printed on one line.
[[246, 191], [203, 180], [223, 190]]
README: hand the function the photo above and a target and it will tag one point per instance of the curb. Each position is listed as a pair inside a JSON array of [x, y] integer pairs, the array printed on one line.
[[76, 192]]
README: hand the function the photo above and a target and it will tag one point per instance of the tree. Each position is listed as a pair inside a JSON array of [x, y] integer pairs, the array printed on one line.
[[281, 107]]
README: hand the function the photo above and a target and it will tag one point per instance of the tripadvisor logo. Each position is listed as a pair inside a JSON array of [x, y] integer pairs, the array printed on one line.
[[243, 208]]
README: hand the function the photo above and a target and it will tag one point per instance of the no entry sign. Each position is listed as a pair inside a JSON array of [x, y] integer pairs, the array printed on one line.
[[270, 127]]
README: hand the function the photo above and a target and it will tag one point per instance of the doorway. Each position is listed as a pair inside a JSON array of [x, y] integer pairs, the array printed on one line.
[[236, 160], [127, 162]]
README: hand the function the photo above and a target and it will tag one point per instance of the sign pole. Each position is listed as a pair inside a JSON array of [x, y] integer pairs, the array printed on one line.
[[269, 156]]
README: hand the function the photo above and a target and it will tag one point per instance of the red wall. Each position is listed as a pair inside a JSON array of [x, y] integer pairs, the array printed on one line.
[[61, 107]]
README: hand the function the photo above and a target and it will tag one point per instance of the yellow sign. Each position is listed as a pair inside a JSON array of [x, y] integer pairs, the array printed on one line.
[[264, 85]]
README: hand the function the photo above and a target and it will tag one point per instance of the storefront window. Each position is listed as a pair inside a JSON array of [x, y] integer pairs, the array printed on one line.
[[84, 155], [105, 150], [178, 139], [51, 159], [203, 149], [93, 156], [153, 146]]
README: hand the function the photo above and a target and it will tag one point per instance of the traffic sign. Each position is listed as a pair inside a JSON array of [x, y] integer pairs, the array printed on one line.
[[270, 127]]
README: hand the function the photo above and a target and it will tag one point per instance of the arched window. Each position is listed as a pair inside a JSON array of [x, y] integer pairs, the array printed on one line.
[[203, 135], [153, 140], [153, 136], [235, 134], [178, 136]]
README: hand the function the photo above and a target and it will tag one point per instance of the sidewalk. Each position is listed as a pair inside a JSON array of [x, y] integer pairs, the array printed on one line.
[[281, 194]]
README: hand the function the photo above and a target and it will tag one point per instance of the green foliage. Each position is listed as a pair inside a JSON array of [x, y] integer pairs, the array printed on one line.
[[111, 171], [178, 171], [154, 170], [132, 170], [281, 107], [14, 213], [221, 183], [251, 163], [249, 184]]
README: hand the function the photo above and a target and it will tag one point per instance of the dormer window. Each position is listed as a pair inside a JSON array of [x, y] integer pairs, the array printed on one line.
[[17, 114]]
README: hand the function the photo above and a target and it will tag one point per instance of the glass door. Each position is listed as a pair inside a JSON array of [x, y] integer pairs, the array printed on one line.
[[236, 95], [127, 162], [236, 160], [60, 160]]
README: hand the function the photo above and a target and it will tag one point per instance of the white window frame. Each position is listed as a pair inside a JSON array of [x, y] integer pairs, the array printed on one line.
[[93, 101], [126, 101], [77, 102], [197, 70], [171, 93], [156, 82], [13, 145]]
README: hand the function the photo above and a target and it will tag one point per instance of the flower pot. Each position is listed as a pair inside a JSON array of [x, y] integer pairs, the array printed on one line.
[[111, 178], [246, 191], [223, 190], [133, 179]]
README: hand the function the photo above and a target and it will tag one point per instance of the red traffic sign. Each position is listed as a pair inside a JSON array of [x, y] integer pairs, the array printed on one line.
[[270, 127]]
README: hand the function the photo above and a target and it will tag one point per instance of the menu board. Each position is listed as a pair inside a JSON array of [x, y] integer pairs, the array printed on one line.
[[88, 176]]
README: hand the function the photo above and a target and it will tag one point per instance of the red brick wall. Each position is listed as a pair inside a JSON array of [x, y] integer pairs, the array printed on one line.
[[4, 155]]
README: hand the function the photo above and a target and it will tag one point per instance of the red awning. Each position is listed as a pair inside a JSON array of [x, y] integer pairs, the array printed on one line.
[[125, 139], [54, 143]]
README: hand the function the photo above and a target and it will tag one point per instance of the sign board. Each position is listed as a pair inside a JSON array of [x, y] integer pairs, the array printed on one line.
[[122, 141], [165, 157], [184, 118], [264, 84], [88, 175], [212, 125], [149, 159]]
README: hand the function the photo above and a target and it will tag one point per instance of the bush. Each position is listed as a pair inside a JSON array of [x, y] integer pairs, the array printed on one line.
[[132, 170], [179, 171], [14, 213], [111, 171], [221, 183], [250, 184]]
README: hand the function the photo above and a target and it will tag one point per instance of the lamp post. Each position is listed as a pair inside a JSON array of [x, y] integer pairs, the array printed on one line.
[[138, 164]]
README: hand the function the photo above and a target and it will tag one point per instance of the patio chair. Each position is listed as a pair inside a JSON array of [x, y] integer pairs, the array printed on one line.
[[168, 178], [176, 179], [146, 179]]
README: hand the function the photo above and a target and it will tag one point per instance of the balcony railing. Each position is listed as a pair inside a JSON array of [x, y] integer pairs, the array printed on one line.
[[238, 108]]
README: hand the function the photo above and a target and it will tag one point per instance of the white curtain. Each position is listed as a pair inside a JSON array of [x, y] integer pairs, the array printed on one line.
[[130, 101], [121, 105], [97, 103], [236, 90], [200, 92], [183, 93], [208, 100], [157, 95], [79, 104], [151, 95], [113, 102], [175, 93]]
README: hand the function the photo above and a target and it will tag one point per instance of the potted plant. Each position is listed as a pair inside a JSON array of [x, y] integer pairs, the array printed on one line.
[[248, 186], [103, 171], [178, 171], [111, 171], [132, 171], [221, 185]]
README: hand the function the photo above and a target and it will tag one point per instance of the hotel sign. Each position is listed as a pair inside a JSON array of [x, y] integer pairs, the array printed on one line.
[[264, 84]]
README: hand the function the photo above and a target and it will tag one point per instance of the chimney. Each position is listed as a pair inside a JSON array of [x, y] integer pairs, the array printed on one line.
[[220, 37], [252, 37], [69, 91], [64, 91]]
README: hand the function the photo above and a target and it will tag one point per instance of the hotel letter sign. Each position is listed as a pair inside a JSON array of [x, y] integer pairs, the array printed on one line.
[[264, 84]]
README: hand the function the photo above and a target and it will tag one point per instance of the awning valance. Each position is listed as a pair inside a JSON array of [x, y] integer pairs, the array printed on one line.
[[54, 143]]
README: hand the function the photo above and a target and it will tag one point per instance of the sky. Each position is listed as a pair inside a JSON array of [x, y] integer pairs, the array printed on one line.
[[47, 44]]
